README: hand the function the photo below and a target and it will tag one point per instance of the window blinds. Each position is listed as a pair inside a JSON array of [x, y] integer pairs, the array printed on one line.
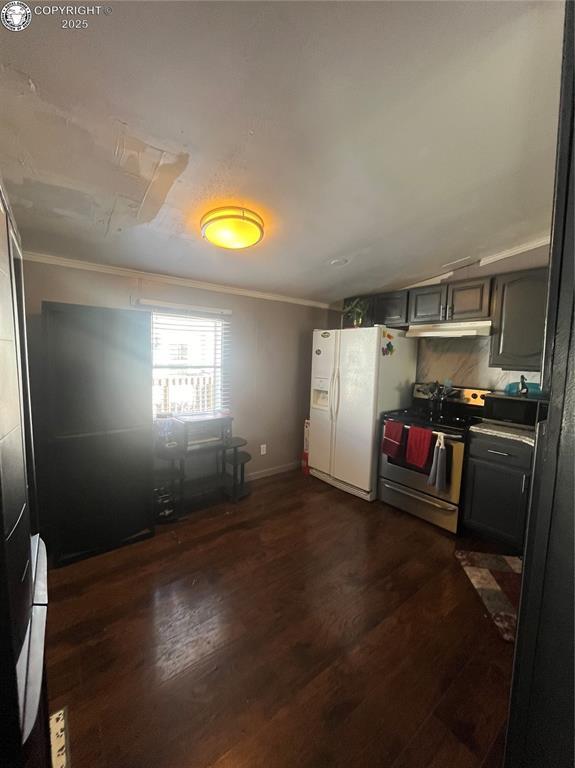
[[191, 356]]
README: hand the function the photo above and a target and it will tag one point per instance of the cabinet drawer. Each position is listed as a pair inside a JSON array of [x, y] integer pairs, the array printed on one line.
[[509, 453]]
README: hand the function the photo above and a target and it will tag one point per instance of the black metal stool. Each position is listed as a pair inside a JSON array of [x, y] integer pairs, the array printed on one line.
[[238, 461]]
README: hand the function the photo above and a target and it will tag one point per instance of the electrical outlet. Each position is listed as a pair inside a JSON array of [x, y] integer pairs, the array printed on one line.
[[263, 449]]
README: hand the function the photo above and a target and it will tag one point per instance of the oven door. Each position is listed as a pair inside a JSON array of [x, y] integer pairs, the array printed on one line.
[[417, 481], [431, 509]]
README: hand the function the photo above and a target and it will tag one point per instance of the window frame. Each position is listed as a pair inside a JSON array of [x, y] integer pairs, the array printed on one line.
[[219, 367]]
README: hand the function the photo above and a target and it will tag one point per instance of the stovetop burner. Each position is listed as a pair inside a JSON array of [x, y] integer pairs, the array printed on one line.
[[418, 418], [456, 413]]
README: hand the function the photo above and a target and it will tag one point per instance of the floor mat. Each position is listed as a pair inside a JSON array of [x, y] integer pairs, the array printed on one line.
[[497, 580], [59, 739]]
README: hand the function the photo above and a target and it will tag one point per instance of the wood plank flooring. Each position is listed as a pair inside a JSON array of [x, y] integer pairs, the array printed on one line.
[[300, 628]]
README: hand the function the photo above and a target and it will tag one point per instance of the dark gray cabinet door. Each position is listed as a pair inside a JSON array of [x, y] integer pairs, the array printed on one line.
[[469, 299], [390, 308], [496, 501], [428, 304], [519, 320]]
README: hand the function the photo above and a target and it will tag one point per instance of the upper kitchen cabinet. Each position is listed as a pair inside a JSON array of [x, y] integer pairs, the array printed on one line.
[[519, 320], [468, 299], [428, 304], [390, 308]]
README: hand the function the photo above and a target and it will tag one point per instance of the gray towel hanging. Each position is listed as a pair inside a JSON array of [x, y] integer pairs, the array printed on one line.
[[438, 474]]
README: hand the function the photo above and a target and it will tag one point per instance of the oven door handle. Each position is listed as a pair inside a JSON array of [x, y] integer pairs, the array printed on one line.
[[421, 497], [446, 435]]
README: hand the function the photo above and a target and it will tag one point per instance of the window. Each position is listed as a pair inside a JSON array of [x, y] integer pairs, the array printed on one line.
[[190, 363]]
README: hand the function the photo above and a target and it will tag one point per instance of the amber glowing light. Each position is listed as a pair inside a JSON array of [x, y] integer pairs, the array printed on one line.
[[232, 227]]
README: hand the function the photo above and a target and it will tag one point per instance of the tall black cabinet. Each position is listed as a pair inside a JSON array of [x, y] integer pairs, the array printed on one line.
[[24, 738], [97, 442]]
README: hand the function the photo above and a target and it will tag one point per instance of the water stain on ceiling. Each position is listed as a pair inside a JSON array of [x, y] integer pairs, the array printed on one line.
[[80, 167]]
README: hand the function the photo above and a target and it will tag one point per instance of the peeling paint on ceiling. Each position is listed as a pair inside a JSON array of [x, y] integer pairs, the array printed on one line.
[[78, 166], [397, 137]]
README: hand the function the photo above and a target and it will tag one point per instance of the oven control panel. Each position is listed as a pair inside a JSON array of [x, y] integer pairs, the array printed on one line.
[[473, 396], [456, 394]]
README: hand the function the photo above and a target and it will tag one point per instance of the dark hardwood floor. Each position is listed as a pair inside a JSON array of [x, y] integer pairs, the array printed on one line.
[[300, 628]]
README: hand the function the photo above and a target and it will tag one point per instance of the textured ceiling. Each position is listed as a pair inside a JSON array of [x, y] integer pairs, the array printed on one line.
[[400, 136]]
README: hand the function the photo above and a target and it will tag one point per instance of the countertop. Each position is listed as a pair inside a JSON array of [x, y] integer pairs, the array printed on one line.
[[522, 435]]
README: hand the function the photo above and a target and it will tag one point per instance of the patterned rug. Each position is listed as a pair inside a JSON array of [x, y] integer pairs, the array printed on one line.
[[59, 739], [497, 580]]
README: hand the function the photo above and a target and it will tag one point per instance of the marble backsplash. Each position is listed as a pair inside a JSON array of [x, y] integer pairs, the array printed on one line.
[[465, 362]]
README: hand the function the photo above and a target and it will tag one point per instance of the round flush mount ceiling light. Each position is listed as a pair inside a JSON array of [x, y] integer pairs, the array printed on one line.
[[341, 262], [232, 227]]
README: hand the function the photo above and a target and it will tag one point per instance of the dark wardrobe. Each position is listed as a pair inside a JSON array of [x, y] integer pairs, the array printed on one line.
[[96, 412], [24, 730]]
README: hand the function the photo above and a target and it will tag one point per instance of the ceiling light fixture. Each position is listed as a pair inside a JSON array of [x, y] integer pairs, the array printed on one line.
[[339, 262], [232, 227]]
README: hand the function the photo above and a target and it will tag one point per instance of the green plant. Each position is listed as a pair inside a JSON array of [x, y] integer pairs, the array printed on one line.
[[356, 310]]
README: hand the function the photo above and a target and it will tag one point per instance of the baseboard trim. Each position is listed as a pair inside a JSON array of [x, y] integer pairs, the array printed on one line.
[[273, 471]]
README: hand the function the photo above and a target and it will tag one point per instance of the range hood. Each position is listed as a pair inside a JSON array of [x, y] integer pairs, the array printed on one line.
[[449, 330]]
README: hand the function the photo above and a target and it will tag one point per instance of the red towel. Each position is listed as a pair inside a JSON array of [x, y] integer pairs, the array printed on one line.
[[392, 438], [418, 445]]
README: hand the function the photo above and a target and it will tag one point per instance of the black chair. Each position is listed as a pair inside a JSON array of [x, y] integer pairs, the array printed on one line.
[[237, 460]]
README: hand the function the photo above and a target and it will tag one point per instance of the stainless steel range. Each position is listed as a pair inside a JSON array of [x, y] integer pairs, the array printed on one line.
[[441, 409]]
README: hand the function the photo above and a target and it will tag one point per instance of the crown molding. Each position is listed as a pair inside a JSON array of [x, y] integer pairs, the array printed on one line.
[[430, 280], [531, 245], [156, 277], [523, 248]]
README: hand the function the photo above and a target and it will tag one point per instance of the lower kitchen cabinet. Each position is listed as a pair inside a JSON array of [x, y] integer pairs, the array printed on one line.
[[497, 490], [496, 501]]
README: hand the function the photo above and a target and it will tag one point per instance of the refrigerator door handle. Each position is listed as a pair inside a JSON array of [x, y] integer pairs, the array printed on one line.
[[337, 396], [331, 395]]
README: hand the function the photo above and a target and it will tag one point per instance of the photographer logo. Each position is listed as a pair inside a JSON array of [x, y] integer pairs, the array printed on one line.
[[16, 16]]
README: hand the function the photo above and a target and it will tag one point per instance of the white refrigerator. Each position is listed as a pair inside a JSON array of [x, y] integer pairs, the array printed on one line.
[[356, 374]]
